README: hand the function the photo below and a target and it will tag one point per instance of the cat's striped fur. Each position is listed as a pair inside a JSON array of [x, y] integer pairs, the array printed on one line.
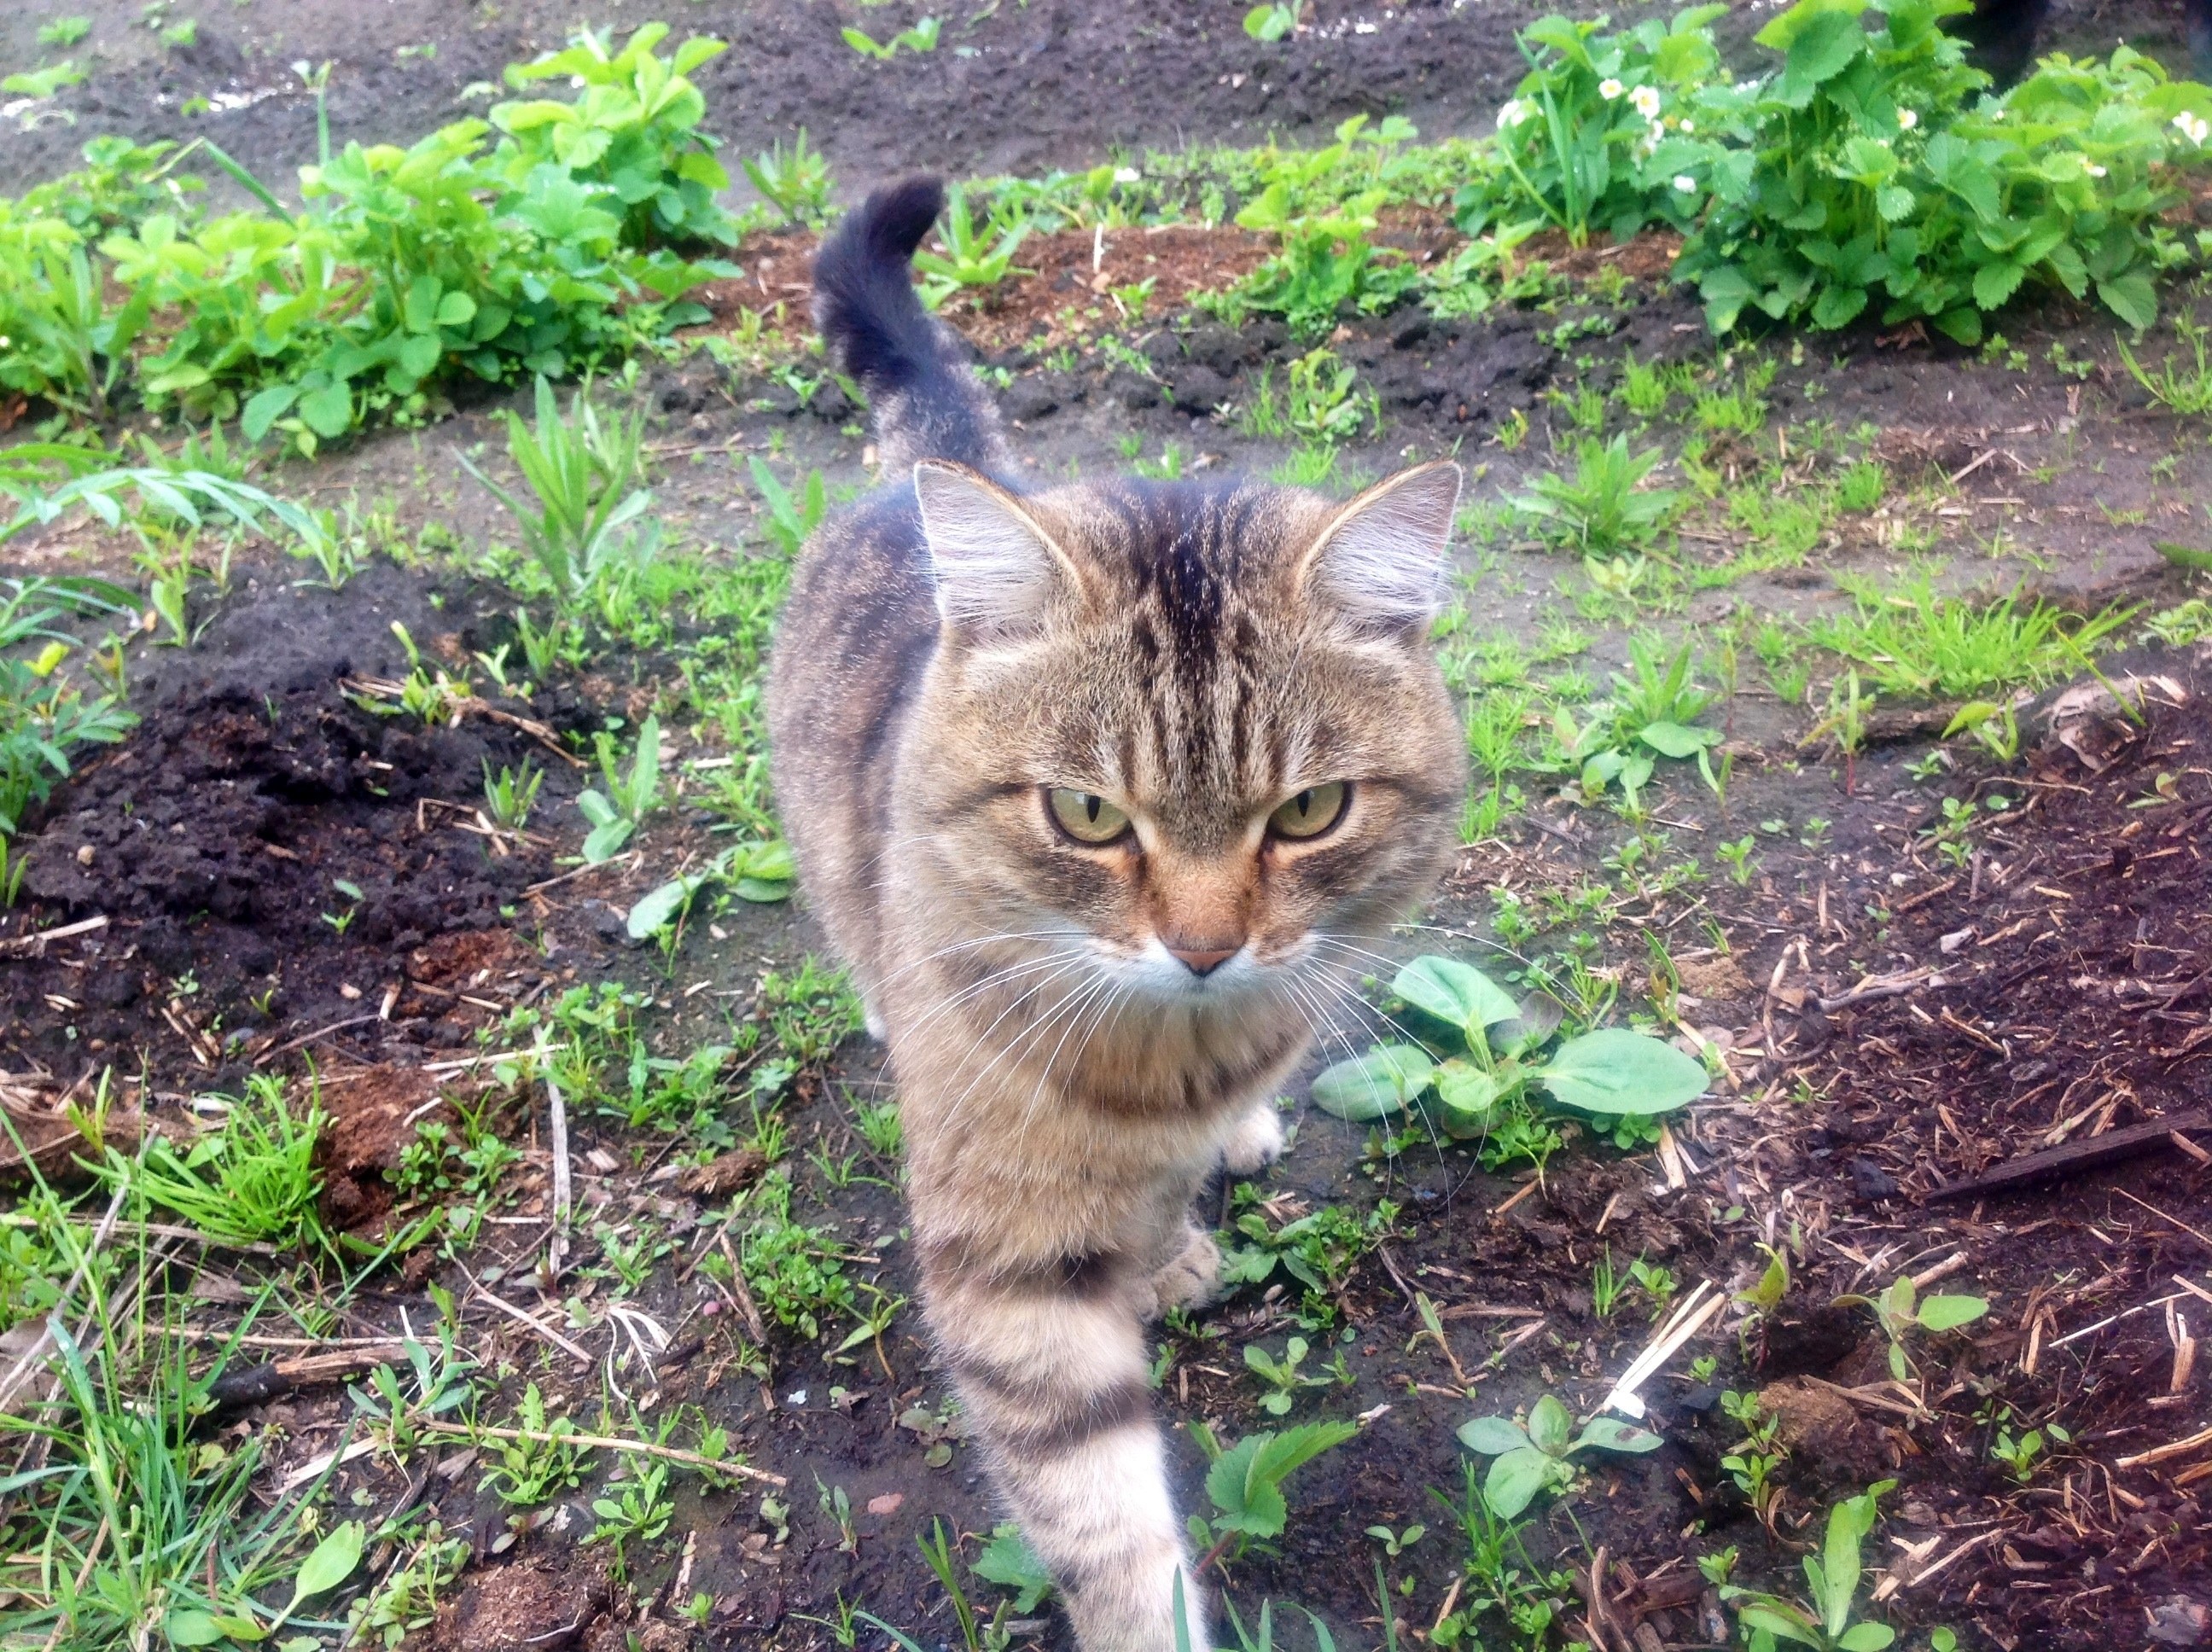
[[1080, 1032]]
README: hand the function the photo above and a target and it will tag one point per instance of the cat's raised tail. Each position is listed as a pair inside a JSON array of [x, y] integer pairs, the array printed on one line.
[[923, 402]]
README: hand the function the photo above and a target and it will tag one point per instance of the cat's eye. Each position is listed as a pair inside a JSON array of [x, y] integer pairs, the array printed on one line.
[[1312, 813], [1085, 816]]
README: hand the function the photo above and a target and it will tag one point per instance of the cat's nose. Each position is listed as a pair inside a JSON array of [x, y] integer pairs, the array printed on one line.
[[1202, 960]]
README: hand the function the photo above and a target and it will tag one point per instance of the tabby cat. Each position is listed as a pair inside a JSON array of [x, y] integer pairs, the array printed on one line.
[[1101, 792]]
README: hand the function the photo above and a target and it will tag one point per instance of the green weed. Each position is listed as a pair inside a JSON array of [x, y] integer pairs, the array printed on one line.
[[1912, 643]]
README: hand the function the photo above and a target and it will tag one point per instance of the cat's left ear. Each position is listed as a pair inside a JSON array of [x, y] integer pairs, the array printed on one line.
[[1380, 561]]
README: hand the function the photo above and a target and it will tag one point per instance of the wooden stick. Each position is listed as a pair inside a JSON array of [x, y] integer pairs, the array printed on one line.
[[34, 945], [2092, 1153], [2196, 1441], [526, 1318]]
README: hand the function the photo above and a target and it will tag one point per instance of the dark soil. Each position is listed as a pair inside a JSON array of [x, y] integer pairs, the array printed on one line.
[[1011, 89], [216, 842]]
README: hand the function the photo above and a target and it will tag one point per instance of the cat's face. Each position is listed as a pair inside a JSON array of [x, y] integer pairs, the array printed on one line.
[[1189, 744]]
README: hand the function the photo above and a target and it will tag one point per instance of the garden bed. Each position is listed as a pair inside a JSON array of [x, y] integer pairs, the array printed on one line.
[[1898, 867]]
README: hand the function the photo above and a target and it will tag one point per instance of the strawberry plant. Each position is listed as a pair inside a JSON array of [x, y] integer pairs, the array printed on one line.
[[1870, 175], [633, 132], [1585, 140]]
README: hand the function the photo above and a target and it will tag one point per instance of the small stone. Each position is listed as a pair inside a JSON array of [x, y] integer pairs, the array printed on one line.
[[84, 854], [1870, 1180], [1955, 940], [2179, 1621]]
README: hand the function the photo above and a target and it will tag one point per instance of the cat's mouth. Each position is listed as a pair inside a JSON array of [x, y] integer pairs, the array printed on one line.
[[1183, 973]]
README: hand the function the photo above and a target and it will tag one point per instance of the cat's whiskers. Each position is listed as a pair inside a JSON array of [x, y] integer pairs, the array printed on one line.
[[1117, 990], [1012, 1047], [1099, 986], [997, 977], [1353, 1001]]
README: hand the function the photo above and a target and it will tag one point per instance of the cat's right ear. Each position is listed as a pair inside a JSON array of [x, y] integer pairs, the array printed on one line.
[[998, 570]]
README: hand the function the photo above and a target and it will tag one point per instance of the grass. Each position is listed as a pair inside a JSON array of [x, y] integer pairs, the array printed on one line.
[[1915, 643], [1603, 509]]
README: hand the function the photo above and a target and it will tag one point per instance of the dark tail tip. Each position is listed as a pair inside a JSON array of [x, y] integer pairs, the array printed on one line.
[[864, 299]]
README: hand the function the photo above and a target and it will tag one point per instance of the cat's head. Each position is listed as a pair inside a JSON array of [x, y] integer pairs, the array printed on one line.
[[1195, 734]]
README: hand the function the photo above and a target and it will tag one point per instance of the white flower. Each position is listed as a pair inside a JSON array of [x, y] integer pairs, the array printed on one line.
[[1127, 175], [1689, 126], [1907, 119], [1513, 113], [1684, 183], [1645, 98], [2095, 170], [2195, 128], [1610, 89]]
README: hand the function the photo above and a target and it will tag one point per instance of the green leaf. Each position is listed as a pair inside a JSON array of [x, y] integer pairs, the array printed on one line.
[[328, 411], [1836, 306], [1550, 1424], [1948, 1313], [1677, 739], [604, 841], [419, 353], [1493, 1436], [1996, 282], [1008, 1561], [1514, 1480], [331, 1563], [656, 909], [1865, 1637], [1468, 1090], [1611, 1434], [1827, 45], [190, 1626], [2183, 556], [263, 409], [2132, 297], [762, 891], [1374, 1085], [456, 310], [1614, 1071], [1456, 993], [1778, 1618]]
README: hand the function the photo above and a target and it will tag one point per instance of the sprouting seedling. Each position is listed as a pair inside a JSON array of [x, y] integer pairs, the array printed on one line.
[[1736, 857], [1008, 1561], [1833, 1576], [971, 258], [922, 37], [790, 521], [2020, 1453], [1605, 1285], [1274, 22], [1246, 1482], [615, 813], [1901, 1308], [1282, 1375], [796, 182], [1533, 1460], [510, 794], [1846, 723], [1993, 725], [1611, 1072]]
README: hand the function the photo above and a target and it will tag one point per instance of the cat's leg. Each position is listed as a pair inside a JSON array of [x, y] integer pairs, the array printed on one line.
[[1255, 1140], [1191, 1277], [1052, 1376]]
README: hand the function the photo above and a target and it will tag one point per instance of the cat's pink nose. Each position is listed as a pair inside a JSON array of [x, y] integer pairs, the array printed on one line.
[[1202, 960]]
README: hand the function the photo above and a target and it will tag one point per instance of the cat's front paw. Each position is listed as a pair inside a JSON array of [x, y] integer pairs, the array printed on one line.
[[1256, 1143], [1192, 1277]]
